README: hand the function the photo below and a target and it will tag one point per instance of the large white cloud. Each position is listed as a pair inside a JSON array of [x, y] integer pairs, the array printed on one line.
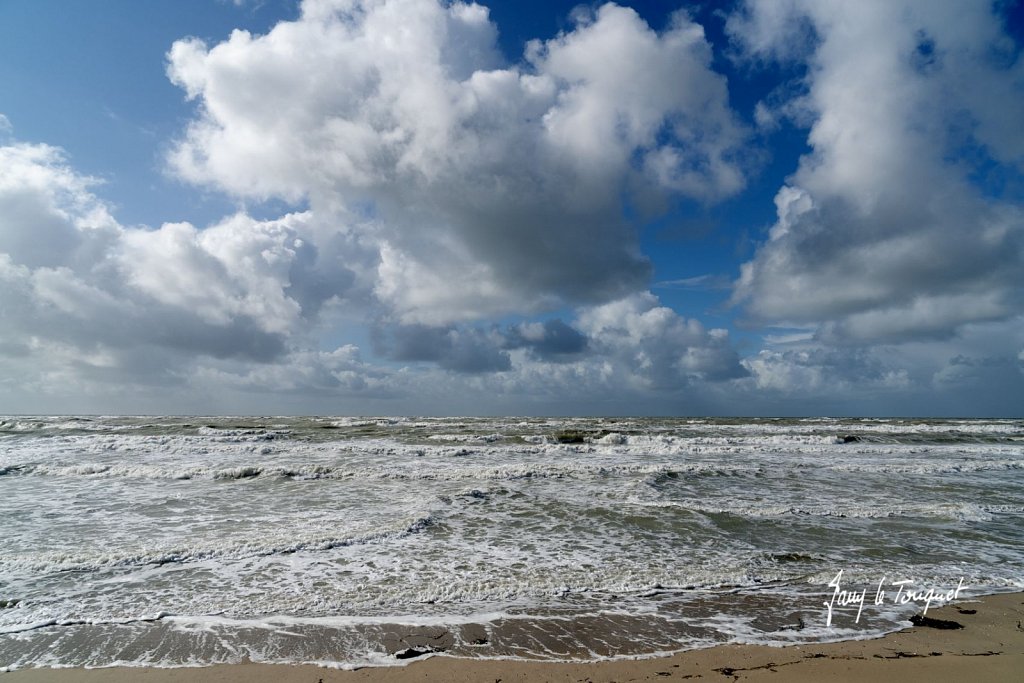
[[434, 184], [889, 231], [92, 312], [80, 288], [487, 187]]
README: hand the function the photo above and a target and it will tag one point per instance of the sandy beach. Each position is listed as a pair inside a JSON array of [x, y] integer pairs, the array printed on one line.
[[989, 647]]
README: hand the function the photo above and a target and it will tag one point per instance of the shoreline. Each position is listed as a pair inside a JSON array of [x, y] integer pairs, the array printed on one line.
[[989, 646]]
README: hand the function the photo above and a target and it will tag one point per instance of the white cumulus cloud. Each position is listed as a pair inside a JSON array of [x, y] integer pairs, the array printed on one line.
[[653, 346], [488, 187], [76, 281], [885, 232]]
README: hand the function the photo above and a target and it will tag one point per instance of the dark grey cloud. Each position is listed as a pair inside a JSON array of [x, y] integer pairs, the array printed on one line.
[[459, 350], [551, 340]]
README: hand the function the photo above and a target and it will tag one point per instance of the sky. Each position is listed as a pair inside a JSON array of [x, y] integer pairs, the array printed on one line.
[[380, 207]]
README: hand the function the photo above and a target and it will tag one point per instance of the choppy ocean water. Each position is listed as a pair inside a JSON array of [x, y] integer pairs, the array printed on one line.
[[187, 541]]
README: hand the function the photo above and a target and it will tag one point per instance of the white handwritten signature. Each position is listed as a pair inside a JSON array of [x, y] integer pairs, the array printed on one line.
[[904, 594]]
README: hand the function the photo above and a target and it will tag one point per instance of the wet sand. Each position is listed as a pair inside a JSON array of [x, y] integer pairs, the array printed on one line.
[[989, 647]]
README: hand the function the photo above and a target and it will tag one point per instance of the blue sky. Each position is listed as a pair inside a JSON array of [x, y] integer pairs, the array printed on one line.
[[412, 206]]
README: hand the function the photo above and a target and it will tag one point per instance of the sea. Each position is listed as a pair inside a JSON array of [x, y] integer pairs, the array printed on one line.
[[351, 542]]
